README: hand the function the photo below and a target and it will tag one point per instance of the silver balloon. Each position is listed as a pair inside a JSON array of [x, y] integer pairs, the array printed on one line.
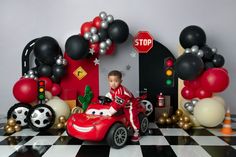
[[64, 62], [31, 76], [103, 45], [26, 76], [102, 51], [108, 42], [35, 78], [30, 72], [93, 30], [194, 101], [200, 53], [59, 61], [187, 50], [190, 109], [103, 15], [95, 38], [104, 24], [110, 18], [87, 35], [60, 57], [214, 50], [195, 49], [187, 104], [91, 40]]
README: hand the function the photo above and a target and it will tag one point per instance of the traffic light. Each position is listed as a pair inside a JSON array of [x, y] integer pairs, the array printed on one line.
[[41, 91], [169, 72]]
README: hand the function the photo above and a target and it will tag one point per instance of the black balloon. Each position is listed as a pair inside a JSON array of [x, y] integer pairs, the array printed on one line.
[[58, 71], [46, 49], [218, 60], [188, 66], [45, 70], [55, 79], [208, 65], [192, 35], [208, 54], [77, 47], [118, 31], [37, 62], [103, 35]]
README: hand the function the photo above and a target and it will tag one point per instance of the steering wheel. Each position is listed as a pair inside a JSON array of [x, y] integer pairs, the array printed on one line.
[[104, 99]]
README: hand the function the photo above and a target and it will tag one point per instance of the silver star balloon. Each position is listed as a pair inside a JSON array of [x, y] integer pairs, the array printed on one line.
[[96, 61], [91, 51]]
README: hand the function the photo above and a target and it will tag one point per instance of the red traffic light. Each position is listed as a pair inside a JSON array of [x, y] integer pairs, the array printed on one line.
[[169, 62]]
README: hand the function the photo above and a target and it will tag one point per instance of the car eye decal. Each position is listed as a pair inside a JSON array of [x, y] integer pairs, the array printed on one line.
[[102, 112]]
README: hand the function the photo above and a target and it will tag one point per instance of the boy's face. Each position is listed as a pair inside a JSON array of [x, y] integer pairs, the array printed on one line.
[[114, 81]]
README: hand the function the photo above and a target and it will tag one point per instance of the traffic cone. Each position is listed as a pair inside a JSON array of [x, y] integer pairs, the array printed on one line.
[[227, 124]]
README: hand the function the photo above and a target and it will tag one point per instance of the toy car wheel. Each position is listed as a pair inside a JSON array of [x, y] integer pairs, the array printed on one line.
[[19, 112], [148, 106], [117, 136], [41, 117], [144, 123]]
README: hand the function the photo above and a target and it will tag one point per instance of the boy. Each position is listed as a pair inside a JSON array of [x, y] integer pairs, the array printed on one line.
[[122, 98]]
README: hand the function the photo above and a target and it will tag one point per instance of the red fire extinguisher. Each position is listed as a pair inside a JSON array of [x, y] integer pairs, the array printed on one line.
[[160, 100]]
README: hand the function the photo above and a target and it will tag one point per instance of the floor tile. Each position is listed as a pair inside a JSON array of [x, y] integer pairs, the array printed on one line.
[[67, 140], [153, 140], [52, 132], [188, 150], [220, 151], [42, 140], [127, 151], [230, 140], [30, 151], [180, 140], [16, 140], [26, 132], [152, 125], [92, 151], [217, 132], [62, 151], [199, 132], [157, 151], [209, 140], [173, 132], [7, 150], [2, 138]]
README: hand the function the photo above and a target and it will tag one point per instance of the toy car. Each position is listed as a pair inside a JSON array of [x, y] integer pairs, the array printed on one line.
[[96, 124]]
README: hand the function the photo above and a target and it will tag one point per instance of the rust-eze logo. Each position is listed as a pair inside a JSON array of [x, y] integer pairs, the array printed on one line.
[[80, 73]]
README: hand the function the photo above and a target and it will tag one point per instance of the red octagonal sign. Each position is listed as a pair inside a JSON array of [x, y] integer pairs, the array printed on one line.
[[143, 42]]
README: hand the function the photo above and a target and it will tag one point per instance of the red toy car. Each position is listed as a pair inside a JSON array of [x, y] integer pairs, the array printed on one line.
[[96, 124]]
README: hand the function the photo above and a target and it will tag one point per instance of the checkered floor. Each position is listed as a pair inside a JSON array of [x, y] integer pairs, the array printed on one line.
[[160, 141]]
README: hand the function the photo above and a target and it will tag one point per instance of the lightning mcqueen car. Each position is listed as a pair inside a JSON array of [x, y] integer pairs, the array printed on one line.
[[96, 124]]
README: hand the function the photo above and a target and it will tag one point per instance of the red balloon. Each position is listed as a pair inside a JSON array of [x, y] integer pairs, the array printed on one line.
[[56, 89], [25, 90], [215, 80], [95, 47], [224, 70], [111, 49], [48, 83], [202, 93], [187, 93], [86, 27], [194, 84], [97, 22]]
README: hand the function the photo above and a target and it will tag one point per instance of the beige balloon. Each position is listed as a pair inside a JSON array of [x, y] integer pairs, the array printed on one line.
[[48, 95], [60, 108], [209, 112], [219, 99], [194, 121]]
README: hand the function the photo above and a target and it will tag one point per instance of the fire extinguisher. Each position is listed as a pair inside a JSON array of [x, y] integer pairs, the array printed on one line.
[[160, 100]]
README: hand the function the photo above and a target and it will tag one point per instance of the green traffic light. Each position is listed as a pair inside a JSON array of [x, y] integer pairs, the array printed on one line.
[[169, 82], [41, 97]]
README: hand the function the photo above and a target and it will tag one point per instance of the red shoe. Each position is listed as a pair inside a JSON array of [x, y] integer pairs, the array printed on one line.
[[135, 138]]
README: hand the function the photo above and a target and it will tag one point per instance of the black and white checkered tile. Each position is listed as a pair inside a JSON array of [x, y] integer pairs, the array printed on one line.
[[159, 142]]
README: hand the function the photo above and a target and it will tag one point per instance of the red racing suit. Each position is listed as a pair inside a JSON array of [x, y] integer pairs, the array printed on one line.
[[123, 98]]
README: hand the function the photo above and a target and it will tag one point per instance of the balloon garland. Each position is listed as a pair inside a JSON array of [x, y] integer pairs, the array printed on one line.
[[201, 68]]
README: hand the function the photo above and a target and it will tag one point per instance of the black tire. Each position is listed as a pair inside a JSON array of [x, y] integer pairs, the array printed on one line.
[[19, 112], [41, 113], [144, 123], [117, 136]]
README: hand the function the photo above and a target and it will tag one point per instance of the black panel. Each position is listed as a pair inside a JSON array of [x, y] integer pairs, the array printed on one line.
[[152, 75]]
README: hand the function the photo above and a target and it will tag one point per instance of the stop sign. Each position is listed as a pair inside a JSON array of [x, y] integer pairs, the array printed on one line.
[[143, 42]]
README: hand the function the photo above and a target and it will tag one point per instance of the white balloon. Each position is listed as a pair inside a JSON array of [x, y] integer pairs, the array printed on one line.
[[60, 108], [219, 99], [209, 112]]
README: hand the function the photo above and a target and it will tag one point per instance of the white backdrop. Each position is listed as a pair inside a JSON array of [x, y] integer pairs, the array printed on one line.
[[21, 21]]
